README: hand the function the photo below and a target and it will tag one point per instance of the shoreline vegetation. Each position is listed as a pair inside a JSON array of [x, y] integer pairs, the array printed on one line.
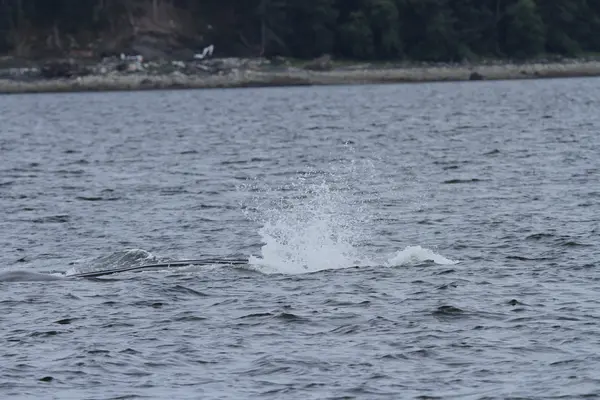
[[114, 75], [102, 45]]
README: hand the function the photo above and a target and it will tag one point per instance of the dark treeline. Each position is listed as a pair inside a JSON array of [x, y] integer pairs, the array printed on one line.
[[432, 30]]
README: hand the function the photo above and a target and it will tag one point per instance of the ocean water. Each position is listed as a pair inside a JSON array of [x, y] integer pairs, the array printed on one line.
[[401, 241]]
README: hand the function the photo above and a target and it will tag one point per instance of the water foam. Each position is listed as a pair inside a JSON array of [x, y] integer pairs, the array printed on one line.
[[314, 223], [412, 255], [321, 221], [305, 239]]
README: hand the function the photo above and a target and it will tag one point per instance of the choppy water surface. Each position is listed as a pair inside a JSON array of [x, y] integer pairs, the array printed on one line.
[[405, 241]]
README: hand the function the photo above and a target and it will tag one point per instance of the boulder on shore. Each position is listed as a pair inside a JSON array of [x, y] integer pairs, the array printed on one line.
[[476, 76], [63, 69], [323, 63]]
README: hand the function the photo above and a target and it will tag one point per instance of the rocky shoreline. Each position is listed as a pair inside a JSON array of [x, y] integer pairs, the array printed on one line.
[[133, 73]]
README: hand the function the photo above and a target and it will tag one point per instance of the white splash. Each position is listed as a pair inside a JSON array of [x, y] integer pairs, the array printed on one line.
[[308, 235], [317, 225], [322, 221], [415, 255]]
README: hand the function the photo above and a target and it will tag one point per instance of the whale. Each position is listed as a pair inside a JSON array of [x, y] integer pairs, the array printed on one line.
[[27, 276], [160, 266]]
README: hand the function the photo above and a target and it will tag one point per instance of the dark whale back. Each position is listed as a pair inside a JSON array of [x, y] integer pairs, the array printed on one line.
[[159, 266], [26, 276]]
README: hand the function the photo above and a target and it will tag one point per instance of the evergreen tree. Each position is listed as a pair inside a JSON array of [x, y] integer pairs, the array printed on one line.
[[475, 28], [312, 27], [525, 35], [436, 30], [432, 32], [571, 22], [385, 21], [356, 37]]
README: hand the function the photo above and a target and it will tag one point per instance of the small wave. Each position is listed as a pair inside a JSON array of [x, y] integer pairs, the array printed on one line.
[[559, 240], [456, 181], [448, 310], [60, 219], [539, 236], [96, 198], [523, 258], [178, 290], [572, 243]]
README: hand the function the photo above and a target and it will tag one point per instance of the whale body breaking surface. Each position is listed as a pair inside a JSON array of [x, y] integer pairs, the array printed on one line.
[[402, 258], [26, 276]]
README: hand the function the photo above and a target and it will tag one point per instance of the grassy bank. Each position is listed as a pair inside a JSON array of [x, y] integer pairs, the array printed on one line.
[[294, 77]]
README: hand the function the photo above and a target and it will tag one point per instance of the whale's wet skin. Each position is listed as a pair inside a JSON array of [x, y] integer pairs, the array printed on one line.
[[26, 276], [416, 241]]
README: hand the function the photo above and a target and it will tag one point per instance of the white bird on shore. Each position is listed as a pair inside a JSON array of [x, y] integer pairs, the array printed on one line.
[[208, 51]]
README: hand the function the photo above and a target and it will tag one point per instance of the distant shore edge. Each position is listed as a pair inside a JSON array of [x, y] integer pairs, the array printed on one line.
[[299, 77]]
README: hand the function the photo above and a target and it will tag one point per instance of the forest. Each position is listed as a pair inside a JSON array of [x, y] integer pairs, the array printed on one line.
[[424, 30]]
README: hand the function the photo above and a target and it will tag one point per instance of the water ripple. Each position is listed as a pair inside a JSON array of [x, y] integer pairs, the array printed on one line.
[[408, 241]]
